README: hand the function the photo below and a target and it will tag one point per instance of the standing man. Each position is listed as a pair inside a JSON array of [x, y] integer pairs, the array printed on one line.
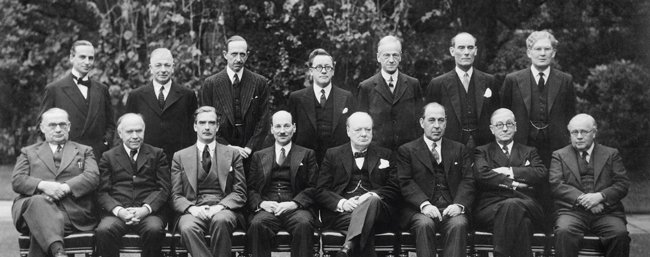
[[357, 189], [542, 98], [55, 180], [321, 110], [507, 175], [588, 181], [468, 95], [281, 192], [133, 191], [241, 97], [86, 101], [392, 99], [166, 106], [436, 181], [208, 189]]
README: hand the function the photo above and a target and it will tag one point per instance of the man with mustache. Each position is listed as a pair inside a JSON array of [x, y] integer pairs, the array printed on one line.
[[86, 101], [133, 192], [166, 106], [508, 175], [281, 187]]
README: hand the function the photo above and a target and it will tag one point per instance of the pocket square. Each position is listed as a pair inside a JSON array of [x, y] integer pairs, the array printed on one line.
[[345, 110], [488, 93], [383, 164], [455, 163], [230, 168], [301, 164], [527, 163]]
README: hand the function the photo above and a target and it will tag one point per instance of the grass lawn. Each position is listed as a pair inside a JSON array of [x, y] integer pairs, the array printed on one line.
[[6, 193]]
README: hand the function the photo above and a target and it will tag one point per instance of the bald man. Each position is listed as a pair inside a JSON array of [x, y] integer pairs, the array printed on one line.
[[357, 188], [166, 106], [134, 188], [588, 181], [281, 186], [508, 176]]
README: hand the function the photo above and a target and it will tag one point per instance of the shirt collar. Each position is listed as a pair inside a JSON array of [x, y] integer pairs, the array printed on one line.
[[429, 142], [317, 89], [461, 73], [128, 150], [509, 145], [386, 76], [287, 148], [589, 151], [211, 146], [536, 72], [355, 151], [156, 86], [54, 146], [231, 74], [78, 75]]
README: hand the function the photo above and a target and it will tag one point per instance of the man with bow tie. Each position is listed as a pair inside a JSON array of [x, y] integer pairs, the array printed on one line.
[[508, 176], [281, 186], [357, 189], [133, 191], [435, 177], [86, 101], [55, 180], [468, 95]]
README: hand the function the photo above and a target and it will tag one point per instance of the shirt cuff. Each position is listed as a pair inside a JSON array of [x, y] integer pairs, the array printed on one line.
[[515, 184], [462, 208], [116, 210], [510, 173], [66, 189], [339, 206], [148, 208], [424, 204]]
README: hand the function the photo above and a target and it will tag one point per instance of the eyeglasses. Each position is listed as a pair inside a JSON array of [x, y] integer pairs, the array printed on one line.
[[581, 132], [509, 125], [63, 125], [540, 49], [160, 65], [320, 68]]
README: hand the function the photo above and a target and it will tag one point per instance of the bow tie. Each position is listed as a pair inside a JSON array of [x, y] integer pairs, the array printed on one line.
[[81, 82], [360, 154]]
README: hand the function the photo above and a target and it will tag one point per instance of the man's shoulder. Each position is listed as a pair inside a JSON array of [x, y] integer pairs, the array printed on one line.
[[140, 90], [518, 73], [254, 76], [181, 88], [186, 150], [384, 152], [222, 75], [370, 82], [411, 80], [151, 148], [561, 74], [443, 77], [341, 91], [479, 73], [452, 143], [61, 82], [300, 92]]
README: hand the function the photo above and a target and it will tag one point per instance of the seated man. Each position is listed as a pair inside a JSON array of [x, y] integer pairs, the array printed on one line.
[[55, 180], [507, 174], [281, 192], [133, 191], [357, 188], [436, 180], [208, 189], [588, 181]]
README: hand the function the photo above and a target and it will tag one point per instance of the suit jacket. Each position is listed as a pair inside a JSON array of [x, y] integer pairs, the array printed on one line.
[[397, 113], [444, 90], [303, 110], [120, 185], [416, 175], [226, 162], [516, 96], [336, 172], [610, 177], [304, 172], [493, 187], [217, 92], [78, 169], [172, 127], [92, 124]]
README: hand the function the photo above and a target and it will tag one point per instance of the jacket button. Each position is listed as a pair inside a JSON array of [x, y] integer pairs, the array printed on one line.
[[133, 177]]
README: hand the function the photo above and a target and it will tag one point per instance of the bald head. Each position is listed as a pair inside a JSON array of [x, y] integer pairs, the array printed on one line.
[[282, 127], [582, 128], [130, 128]]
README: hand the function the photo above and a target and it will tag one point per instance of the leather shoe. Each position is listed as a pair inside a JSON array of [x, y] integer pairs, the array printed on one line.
[[346, 250], [60, 253]]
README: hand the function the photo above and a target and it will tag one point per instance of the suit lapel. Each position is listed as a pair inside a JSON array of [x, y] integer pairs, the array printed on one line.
[[452, 91], [174, 95], [447, 158], [94, 97], [347, 160], [75, 95], [296, 159], [45, 154], [400, 87], [267, 163], [68, 154], [571, 158], [247, 91], [149, 97], [599, 159], [191, 161], [382, 88], [223, 164], [479, 90], [553, 85], [498, 156], [523, 81], [372, 157], [225, 95], [422, 153], [143, 155], [307, 100], [339, 105], [124, 159]]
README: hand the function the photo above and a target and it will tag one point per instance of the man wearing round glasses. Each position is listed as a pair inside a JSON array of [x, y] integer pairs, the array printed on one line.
[[507, 176], [321, 109]]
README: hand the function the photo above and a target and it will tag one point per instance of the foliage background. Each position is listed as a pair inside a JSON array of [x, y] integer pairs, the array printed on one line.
[[603, 43]]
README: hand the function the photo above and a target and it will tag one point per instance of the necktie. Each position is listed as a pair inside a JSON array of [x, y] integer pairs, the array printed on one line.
[[323, 100], [435, 153], [283, 156], [505, 150], [161, 98], [81, 82], [466, 81], [235, 82], [584, 156], [132, 153], [57, 156], [541, 82], [360, 154], [207, 159], [390, 84]]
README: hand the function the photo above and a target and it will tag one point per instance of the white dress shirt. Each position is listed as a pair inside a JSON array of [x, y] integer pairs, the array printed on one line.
[[83, 89], [546, 72], [231, 74], [157, 86], [278, 151], [317, 90]]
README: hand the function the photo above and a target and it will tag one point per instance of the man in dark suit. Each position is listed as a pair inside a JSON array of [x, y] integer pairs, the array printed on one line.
[[542, 98], [436, 181], [507, 174], [281, 189], [241, 97], [320, 110], [588, 181], [86, 101], [393, 99], [166, 106], [55, 180], [468, 95], [357, 188], [133, 192], [208, 189]]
